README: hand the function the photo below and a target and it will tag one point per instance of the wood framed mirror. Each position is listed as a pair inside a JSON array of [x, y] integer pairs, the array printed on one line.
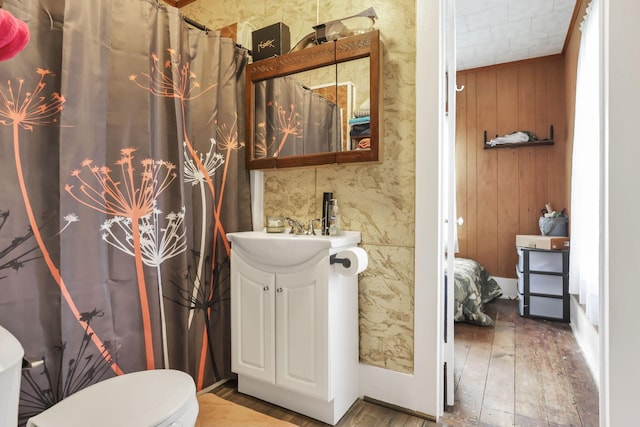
[[316, 106]]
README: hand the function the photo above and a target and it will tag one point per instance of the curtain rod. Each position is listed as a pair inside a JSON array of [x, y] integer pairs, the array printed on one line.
[[195, 24], [205, 29]]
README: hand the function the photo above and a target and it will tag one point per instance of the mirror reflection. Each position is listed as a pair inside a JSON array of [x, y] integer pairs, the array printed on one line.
[[316, 111], [357, 122], [297, 114]]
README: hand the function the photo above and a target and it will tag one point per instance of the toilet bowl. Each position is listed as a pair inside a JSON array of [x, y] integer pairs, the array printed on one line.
[[162, 397]]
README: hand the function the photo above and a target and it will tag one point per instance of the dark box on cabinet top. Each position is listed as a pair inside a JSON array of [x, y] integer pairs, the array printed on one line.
[[270, 41]]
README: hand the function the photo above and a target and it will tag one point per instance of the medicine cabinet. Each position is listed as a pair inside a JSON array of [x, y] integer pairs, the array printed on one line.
[[316, 106]]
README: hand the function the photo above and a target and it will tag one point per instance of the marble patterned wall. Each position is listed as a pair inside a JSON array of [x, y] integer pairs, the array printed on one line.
[[376, 199]]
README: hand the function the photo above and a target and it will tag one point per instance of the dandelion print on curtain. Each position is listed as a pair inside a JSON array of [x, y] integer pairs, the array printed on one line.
[[122, 170]]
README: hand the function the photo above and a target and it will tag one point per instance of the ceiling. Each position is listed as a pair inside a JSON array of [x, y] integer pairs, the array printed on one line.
[[490, 32]]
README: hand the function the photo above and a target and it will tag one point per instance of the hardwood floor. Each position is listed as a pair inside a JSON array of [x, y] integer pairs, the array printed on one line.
[[521, 372]]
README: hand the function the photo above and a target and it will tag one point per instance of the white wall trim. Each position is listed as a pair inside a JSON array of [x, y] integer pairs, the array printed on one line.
[[509, 287], [619, 331], [422, 390], [587, 338], [426, 385], [387, 386]]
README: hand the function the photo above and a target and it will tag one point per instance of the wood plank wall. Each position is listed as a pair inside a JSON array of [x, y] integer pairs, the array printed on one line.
[[500, 192]]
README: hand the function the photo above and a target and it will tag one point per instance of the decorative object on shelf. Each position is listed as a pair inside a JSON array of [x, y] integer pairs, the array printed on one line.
[[356, 24], [275, 224], [332, 30], [553, 223], [518, 139], [273, 40]]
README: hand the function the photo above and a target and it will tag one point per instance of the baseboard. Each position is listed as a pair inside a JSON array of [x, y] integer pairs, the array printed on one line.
[[509, 287], [213, 386], [586, 335], [397, 390], [400, 409]]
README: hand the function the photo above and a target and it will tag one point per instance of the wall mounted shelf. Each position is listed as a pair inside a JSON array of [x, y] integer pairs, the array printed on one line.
[[487, 145]]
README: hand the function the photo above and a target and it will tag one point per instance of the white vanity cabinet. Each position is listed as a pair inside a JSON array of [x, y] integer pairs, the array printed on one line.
[[285, 315], [294, 322]]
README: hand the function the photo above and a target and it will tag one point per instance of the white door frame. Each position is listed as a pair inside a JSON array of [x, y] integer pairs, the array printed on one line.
[[422, 391], [448, 192], [428, 297]]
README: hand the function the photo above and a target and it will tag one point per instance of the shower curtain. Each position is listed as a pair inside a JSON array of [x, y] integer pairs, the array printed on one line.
[[121, 171]]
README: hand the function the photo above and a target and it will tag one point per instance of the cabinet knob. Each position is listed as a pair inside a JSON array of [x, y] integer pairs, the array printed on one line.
[[279, 290], [266, 288]]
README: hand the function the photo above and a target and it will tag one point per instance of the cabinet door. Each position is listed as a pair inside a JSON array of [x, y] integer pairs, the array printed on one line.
[[302, 345], [252, 320]]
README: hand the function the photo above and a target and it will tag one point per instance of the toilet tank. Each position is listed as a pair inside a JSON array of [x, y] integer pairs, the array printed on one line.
[[11, 354]]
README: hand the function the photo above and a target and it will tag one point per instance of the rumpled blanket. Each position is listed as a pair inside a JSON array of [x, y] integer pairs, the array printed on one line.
[[473, 288]]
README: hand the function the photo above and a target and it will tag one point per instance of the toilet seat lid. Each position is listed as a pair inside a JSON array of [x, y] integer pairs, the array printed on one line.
[[144, 398]]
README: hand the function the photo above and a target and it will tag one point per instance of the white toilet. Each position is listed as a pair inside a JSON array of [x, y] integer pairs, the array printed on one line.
[[162, 397]]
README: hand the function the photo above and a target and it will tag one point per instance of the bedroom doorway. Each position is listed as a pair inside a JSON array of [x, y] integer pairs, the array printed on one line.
[[513, 324]]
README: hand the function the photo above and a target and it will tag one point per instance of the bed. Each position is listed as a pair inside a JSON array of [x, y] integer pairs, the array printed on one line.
[[473, 289]]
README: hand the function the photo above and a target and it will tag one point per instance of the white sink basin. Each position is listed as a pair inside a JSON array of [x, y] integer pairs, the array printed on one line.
[[284, 249]]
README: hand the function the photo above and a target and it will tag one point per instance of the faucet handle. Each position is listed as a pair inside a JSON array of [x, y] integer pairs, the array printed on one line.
[[311, 229], [292, 223], [296, 227]]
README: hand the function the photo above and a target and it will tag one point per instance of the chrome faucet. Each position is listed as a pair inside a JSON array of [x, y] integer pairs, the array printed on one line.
[[298, 228]]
